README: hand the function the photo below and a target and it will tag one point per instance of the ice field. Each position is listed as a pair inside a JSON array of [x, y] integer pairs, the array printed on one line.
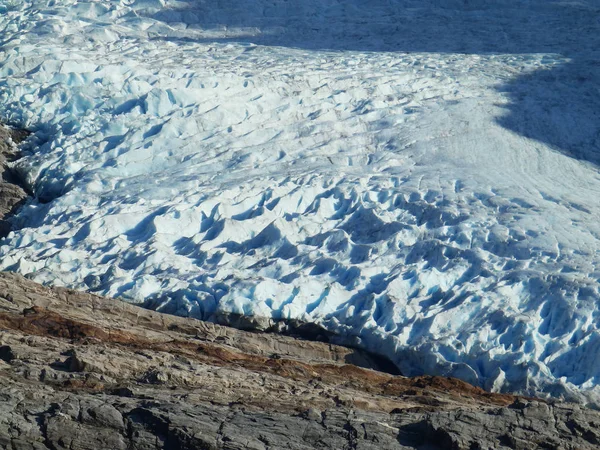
[[420, 177]]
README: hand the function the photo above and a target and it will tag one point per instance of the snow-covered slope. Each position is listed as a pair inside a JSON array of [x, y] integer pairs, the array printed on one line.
[[419, 176]]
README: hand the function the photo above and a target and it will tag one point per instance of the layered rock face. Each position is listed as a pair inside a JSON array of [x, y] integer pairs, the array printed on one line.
[[11, 194], [79, 371]]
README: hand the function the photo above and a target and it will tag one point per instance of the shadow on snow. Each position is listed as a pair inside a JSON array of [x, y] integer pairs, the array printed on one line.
[[558, 104]]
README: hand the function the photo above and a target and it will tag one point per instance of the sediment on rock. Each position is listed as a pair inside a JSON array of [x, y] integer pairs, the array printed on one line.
[[307, 331]]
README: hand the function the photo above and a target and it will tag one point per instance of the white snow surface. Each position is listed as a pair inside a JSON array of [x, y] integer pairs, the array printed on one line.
[[420, 177]]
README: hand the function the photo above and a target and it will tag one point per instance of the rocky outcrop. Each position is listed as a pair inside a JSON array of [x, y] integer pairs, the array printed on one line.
[[11, 194], [79, 371]]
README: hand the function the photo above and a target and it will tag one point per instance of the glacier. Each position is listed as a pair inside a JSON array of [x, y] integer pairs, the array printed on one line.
[[419, 177]]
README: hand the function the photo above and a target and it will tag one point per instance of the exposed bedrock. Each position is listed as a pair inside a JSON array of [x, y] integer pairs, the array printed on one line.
[[11, 194]]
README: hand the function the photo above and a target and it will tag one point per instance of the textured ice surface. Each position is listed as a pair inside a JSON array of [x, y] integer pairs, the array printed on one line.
[[419, 176]]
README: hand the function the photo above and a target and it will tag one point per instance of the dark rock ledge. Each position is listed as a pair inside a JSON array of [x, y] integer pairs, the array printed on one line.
[[12, 195]]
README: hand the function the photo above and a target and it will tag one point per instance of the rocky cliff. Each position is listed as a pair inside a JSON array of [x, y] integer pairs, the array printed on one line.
[[11, 194]]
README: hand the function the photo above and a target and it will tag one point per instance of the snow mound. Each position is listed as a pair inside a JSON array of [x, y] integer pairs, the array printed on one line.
[[404, 173]]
